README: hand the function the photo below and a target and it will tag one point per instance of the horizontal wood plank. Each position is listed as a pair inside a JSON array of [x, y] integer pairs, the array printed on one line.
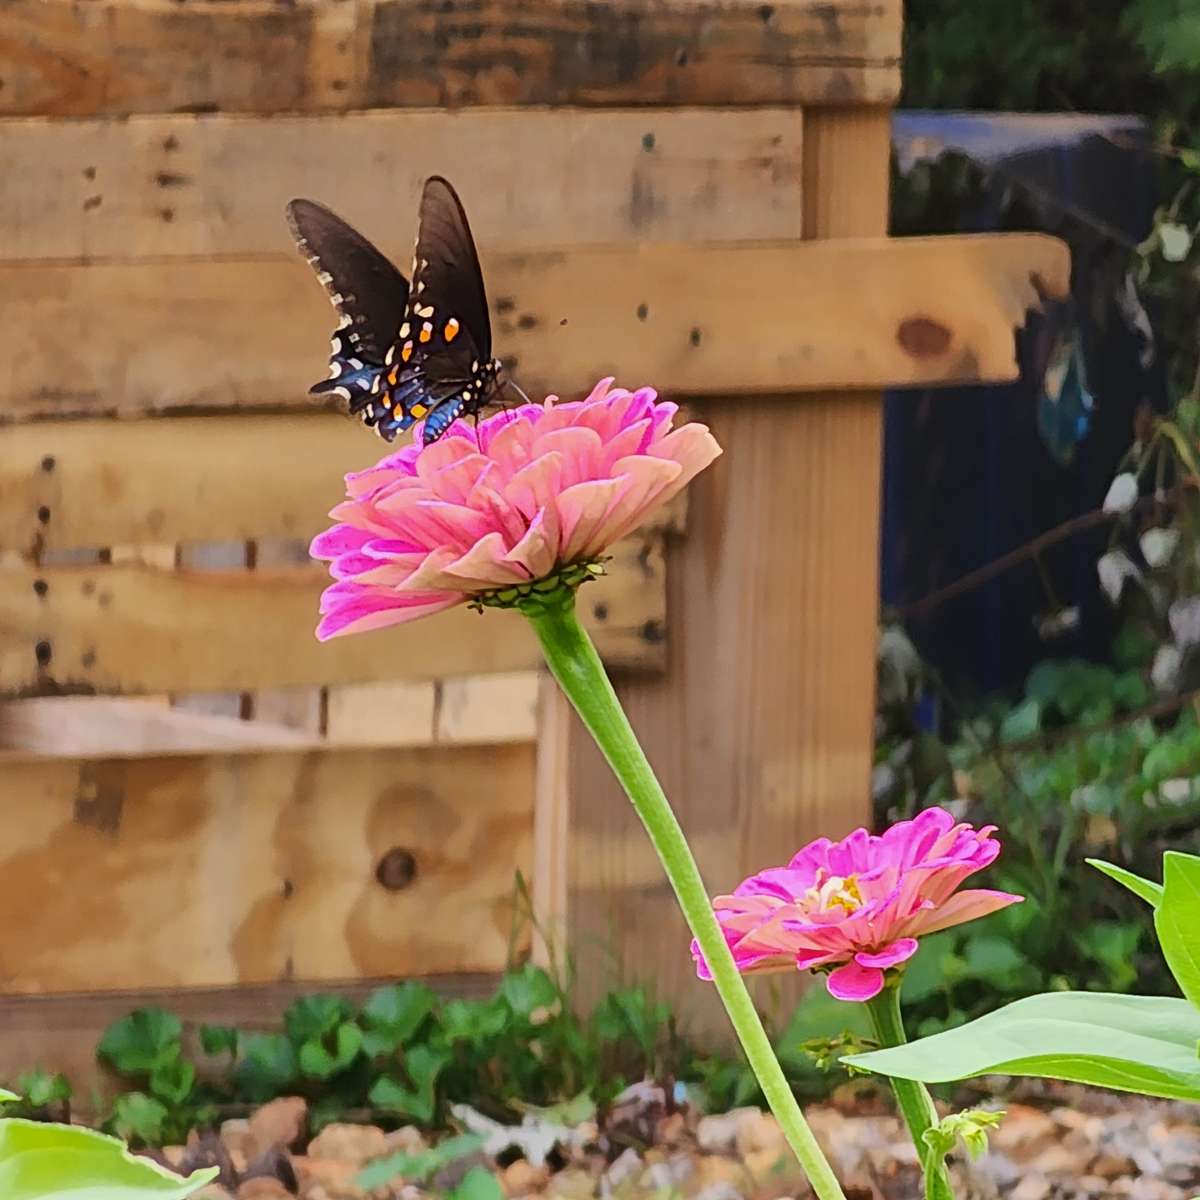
[[219, 870], [716, 320], [60, 1032], [131, 56], [136, 629], [196, 479], [177, 186]]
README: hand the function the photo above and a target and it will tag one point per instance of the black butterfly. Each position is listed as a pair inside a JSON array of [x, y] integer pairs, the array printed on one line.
[[404, 353]]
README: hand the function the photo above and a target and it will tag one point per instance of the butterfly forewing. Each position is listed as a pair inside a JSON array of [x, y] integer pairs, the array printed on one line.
[[445, 340], [363, 285]]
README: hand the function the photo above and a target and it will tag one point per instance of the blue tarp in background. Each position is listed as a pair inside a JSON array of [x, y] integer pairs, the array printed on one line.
[[967, 475]]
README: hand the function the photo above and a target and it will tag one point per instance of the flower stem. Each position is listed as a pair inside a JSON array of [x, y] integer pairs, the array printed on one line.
[[912, 1098], [575, 664]]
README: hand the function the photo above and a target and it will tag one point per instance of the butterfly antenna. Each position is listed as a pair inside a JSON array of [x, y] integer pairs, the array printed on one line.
[[516, 387]]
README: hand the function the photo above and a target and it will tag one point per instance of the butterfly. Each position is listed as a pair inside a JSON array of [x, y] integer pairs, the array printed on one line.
[[403, 353]]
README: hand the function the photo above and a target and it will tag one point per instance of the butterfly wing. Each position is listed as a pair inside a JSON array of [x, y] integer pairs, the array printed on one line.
[[441, 364], [368, 292]]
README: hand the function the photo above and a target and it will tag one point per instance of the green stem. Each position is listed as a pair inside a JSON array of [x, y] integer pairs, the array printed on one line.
[[912, 1098], [575, 664]]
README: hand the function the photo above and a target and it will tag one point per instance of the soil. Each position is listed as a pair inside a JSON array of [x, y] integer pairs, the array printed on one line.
[[1055, 1143]]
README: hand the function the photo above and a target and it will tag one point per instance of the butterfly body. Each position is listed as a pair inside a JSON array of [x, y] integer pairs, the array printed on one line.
[[405, 351]]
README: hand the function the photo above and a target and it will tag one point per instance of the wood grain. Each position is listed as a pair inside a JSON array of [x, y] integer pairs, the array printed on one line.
[[197, 479], [250, 869], [138, 629], [60, 1032], [136, 56], [168, 187], [761, 730], [722, 320]]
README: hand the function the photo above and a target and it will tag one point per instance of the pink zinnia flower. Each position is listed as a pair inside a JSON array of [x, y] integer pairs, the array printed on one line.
[[532, 493], [860, 904]]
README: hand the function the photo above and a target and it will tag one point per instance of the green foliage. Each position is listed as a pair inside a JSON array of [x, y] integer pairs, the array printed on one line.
[[406, 1055], [40, 1161], [1144, 1044]]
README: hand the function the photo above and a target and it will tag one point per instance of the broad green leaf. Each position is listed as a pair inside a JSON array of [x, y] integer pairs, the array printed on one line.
[[1177, 921], [1143, 1044], [173, 1080], [418, 1168], [478, 1184], [313, 1016], [139, 1118], [267, 1066], [218, 1039], [393, 1014], [7, 1097], [423, 1066], [1147, 889], [141, 1041], [323, 1057], [39, 1161], [41, 1088], [528, 989], [1023, 722]]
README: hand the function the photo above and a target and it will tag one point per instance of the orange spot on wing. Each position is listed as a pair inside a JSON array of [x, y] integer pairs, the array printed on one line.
[[406, 353], [418, 411], [451, 330]]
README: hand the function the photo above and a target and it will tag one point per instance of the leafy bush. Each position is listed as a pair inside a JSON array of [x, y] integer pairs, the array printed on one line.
[[405, 1055]]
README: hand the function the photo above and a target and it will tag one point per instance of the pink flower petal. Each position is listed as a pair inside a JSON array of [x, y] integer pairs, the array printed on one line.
[[964, 906], [899, 951], [855, 982]]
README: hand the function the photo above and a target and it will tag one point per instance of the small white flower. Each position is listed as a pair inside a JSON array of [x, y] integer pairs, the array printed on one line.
[[1175, 241], [1114, 568], [1175, 791], [1122, 493], [1158, 545], [1184, 619], [1055, 624], [1164, 673]]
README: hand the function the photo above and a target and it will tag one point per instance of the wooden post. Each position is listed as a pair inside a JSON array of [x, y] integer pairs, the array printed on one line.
[[761, 729]]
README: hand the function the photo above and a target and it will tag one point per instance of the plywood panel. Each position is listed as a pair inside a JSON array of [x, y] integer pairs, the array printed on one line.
[[177, 186], [139, 629], [761, 731], [703, 320], [122, 56], [220, 870]]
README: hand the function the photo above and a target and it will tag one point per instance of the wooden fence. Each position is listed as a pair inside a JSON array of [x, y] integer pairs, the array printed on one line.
[[197, 801]]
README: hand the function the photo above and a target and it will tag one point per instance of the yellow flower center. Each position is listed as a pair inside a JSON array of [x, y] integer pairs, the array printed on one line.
[[834, 890]]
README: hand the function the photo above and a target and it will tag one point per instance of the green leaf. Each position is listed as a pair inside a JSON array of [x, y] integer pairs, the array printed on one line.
[[323, 1057], [314, 1016], [423, 1065], [527, 990], [1023, 722], [7, 1097], [173, 1080], [1146, 889], [1144, 1044], [417, 1168], [141, 1041], [393, 1014], [478, 1184], [1177, 921], [267, 1067], [218, 1039], [41, 1088], [39, 1161], [139, 1118]]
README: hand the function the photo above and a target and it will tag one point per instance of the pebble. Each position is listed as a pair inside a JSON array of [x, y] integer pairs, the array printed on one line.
[[276, 1126], [353, 1143]]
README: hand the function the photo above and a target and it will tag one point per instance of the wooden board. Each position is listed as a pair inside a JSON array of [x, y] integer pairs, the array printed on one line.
[[702, 320], [176, 186], [60, 1032], [249, 869], [761, 731], [140, 629], [197, 479], [122, 56]]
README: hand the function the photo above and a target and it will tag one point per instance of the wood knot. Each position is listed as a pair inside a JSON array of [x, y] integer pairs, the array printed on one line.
[[923, 337], [396, 869]]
